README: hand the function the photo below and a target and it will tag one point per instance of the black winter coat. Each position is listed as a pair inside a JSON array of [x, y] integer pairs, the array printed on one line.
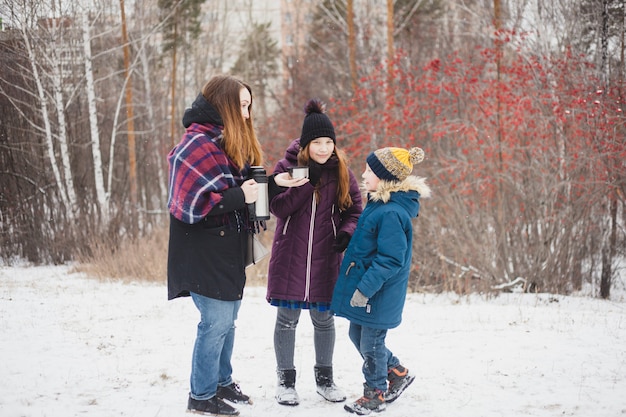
[[208, 257], [206, 260]]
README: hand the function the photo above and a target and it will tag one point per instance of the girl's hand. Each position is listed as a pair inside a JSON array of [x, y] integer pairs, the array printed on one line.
[[284, 180]]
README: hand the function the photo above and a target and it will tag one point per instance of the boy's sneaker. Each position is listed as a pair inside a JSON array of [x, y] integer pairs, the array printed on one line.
[[212, 407], [233, 394], [399, 379], [372, 400]]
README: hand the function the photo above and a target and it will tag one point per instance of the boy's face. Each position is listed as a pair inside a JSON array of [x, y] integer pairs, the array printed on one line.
[[370, 180]]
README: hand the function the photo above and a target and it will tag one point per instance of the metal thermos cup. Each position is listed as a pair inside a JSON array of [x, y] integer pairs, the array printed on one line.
[[299, 172], [260, 210]]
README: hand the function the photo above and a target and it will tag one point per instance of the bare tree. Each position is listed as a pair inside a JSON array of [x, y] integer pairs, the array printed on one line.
[[352, 44], [132, 158], [101, 193], [71, 69]]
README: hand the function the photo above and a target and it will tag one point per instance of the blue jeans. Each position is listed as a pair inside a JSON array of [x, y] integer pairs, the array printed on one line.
[[210, 363], [377, 359]]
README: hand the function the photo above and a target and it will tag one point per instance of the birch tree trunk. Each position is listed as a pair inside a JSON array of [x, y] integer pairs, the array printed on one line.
[[57, 81], [501, 217], [46, 121], [149, 103], [113, 141], [101, 195]]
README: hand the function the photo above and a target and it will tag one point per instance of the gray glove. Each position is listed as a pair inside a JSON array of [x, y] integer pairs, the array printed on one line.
[[358, 299]]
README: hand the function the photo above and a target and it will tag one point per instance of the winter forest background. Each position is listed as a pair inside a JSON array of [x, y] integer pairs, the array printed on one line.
[[518, 105]]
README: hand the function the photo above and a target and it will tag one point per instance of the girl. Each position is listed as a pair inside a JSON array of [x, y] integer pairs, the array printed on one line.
[[314, 223]]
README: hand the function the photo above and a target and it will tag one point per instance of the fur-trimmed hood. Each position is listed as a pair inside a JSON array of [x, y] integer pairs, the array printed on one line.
[[411, 183]]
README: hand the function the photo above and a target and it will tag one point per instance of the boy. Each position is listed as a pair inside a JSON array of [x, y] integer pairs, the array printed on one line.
[[374, 274]]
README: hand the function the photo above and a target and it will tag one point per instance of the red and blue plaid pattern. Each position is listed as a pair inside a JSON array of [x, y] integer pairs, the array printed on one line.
[[199, 172]]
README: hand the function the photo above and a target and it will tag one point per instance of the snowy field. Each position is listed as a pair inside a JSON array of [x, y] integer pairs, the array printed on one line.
[[75, 346]]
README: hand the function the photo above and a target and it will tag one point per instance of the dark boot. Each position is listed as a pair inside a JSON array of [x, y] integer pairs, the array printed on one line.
[[212, 406], [286, 390], [233, 394], [326, 386], [399, 379], [372, 400]]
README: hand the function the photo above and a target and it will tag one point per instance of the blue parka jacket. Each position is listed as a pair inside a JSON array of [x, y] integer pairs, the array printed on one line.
[[378, 258], [303, 265]]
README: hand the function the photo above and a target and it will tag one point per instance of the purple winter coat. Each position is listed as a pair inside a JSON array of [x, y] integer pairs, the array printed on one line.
[[303, 264]]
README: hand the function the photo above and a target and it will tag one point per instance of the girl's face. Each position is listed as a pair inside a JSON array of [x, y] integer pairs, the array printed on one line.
[[370, 180], [245, 99], [321, 149]]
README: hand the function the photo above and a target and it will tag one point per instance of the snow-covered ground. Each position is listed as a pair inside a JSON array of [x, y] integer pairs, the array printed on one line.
[[71, 346]]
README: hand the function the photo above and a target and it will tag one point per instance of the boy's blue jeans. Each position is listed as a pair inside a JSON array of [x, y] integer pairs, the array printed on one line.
[[210, 363], [377, 359]]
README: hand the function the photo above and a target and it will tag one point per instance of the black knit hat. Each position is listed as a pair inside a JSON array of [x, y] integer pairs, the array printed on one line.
[[316, 123]]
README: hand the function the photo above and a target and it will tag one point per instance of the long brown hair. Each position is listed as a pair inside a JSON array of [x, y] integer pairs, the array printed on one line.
[[344, 200], [240, 142]]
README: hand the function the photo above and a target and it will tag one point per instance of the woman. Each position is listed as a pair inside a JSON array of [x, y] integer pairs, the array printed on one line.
[[314, 223], [209, 226]]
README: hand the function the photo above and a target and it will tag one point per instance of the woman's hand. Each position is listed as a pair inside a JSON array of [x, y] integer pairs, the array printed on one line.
[[284, 180], [250, 190]]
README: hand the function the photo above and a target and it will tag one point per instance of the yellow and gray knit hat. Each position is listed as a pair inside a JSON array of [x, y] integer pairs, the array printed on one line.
[[394, 164]]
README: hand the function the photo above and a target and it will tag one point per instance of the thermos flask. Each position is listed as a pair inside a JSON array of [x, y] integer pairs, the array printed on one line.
[[260, 210]]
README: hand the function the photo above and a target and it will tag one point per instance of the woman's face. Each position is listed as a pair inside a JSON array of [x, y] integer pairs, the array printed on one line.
[[370, 180], [321, 149], [245, 99]]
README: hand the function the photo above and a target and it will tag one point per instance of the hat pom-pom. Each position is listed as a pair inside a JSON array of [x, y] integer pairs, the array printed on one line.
[[314, 106], [416, 155]]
